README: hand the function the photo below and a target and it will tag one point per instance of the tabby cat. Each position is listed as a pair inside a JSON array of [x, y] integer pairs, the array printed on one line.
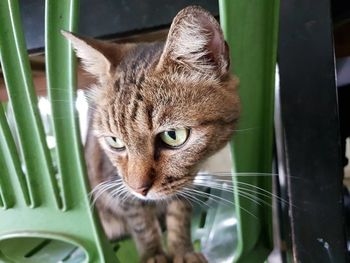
[[159, 110]]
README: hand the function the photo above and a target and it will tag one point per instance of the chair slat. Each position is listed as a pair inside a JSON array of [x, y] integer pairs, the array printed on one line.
[[6, 191], [12, 179], [2, 204], [79, 226], [62, 93], [250, 28], [16, 69]]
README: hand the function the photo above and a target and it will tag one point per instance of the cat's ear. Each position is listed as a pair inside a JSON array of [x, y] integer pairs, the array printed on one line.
[[98, 58], [196, 40]]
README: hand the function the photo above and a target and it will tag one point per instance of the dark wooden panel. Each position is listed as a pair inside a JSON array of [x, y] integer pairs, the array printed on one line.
[[109, 18], [309, 111]]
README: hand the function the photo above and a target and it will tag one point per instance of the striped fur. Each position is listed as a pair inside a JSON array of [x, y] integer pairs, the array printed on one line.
[[141, 91]]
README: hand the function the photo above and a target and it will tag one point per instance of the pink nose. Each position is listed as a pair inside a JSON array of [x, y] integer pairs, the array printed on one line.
[[141, 187], [142, 190], [140, 182]]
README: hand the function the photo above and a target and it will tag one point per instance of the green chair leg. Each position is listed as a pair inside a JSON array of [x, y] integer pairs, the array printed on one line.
[[250, 27]]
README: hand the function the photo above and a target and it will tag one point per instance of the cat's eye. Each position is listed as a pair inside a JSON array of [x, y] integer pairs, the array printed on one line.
[[115, 143], [174, 138]]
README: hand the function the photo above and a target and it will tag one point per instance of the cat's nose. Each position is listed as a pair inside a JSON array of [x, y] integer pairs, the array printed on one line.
[[140, 178], [141, 187], [143, 190]]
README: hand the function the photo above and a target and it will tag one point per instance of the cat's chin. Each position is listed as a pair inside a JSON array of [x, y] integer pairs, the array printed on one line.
[[153, 197]]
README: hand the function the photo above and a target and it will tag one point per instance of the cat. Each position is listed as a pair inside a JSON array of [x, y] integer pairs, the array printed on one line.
[[159, 111]]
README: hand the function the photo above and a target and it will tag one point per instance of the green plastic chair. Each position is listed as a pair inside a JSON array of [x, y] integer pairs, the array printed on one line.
[[40, 203], [46, 214]]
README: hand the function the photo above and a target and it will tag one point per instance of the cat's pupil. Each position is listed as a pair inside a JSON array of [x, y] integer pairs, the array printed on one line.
[[172, 134]]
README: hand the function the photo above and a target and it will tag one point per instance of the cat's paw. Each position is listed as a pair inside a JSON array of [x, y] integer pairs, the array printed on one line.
[[157, 259], [191, 257]]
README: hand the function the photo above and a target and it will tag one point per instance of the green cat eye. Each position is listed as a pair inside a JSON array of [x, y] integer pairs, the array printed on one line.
[[115, 143], [174, 138]]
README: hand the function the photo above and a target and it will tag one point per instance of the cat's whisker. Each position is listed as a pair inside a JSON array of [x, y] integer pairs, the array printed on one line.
[[244, 174], [104, 184], [243, 193], [231, 189], [220, 181], [115, 197], [249, 196], [193, 198], [125, 195], [190, 194], [213, 180], [240, 184], [97, 189], [208, 195], [230, 174], [244, 187], [133, 198], [247, 211], [221, 200], [265, 194], [253, 198], [176, 196], [99, 194], [116, 192], [245, 130], [103, 187], [185, 198]]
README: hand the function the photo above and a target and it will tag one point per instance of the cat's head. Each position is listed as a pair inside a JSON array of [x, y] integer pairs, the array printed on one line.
[[161, 109]]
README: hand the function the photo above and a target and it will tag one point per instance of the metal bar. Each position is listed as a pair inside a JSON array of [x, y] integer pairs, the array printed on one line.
[[15, 66], [250, 28], [309, 108]]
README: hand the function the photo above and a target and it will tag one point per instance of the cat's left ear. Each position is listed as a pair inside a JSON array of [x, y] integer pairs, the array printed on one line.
[[98, 57], [196, 40]]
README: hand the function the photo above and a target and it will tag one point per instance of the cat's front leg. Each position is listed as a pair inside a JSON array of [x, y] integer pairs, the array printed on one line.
[[178, 221], [144, 227]]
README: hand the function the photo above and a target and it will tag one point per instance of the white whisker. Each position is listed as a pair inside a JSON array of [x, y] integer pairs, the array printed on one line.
[[193, 198], [102, 188], [217, 199], [231, 174], [244, 187]]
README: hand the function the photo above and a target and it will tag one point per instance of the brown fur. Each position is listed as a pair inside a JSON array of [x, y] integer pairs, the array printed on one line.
[[144, 90]]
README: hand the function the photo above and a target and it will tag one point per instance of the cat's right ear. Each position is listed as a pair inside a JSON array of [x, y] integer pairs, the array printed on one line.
[[98, 58], [196, 41]]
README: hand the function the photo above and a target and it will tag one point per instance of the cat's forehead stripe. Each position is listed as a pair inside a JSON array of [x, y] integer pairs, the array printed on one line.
[[139, 96], [134, 110], [117, 85], [149, 112], [137, 62]]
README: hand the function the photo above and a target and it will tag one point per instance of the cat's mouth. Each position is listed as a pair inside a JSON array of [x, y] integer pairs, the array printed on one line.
[[151, 195]]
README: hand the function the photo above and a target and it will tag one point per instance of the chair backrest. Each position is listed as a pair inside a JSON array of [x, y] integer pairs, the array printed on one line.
[[44, 196], [44, 201]]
